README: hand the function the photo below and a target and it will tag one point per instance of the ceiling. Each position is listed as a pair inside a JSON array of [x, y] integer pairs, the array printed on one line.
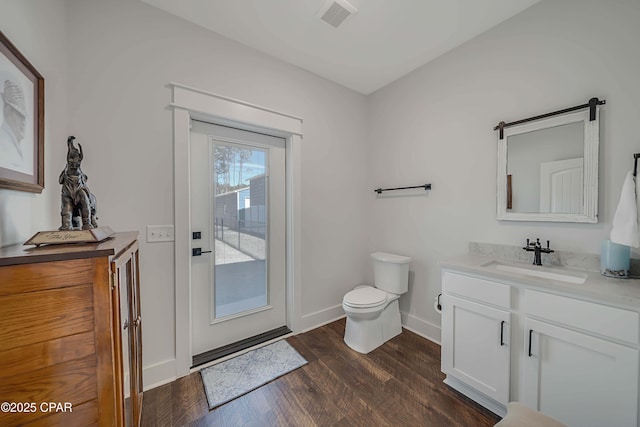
[[381, 42]]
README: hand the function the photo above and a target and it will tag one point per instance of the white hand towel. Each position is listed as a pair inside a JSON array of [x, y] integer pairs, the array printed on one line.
[[636, 181], [625, 220]]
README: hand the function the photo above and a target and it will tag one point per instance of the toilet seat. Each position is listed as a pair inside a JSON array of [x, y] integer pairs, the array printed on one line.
[[365, 297]]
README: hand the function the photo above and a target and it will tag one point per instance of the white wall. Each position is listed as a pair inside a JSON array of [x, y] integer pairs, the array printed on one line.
[[436, 125], [27, 24], [123, 55]]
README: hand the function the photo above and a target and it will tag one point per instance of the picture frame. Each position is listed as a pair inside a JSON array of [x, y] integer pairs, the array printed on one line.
[[22, 121]]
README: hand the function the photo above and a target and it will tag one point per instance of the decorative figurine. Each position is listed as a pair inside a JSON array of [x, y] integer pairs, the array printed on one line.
[[78, 203]]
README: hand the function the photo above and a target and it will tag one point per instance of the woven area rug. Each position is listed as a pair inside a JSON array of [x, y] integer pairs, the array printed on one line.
[[234, 377]]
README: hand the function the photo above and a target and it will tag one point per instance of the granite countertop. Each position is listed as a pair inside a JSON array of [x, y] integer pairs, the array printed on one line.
[[624, 293]]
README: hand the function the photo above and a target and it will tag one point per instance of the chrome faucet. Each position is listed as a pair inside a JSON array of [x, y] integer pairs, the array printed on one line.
[[537, 250]]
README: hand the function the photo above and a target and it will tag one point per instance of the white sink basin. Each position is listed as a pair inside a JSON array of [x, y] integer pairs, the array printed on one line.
[[539, 271]]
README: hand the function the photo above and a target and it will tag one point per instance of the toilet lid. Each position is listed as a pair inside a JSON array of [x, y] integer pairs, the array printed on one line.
[[367, 296]]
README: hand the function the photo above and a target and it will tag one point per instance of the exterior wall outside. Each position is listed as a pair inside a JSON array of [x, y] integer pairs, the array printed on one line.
[[226, 207], [232, 212], [258, 194]]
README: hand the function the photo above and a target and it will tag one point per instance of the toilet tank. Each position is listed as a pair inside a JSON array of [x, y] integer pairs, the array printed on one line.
[[391, 272]]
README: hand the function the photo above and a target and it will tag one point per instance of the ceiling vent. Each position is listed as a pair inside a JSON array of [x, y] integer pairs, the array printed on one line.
[[335, 12]]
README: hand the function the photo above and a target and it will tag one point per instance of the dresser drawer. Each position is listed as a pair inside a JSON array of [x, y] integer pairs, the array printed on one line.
[[37, 317], [74, 382], [482, 290], [23, 278], [600, 319]]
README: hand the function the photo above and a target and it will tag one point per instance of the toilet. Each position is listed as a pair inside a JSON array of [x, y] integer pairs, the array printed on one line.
[[373, 313]]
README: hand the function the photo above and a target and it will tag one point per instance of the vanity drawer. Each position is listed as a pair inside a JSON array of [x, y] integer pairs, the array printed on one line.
[[600, 319], [486, 291]]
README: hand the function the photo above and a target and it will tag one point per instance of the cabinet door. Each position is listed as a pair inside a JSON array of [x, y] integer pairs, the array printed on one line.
[[579, 379], [475, 346], [136, 335], [123, 325], [129, 339]]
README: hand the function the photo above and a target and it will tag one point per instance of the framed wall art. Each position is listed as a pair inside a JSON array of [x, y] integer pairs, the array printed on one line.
[[21, 121]]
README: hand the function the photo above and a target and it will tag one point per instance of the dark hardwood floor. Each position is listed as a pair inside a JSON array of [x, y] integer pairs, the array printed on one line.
[[397, 384]]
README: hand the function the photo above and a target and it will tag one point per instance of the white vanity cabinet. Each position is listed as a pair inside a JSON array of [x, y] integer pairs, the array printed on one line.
[[576, 359], [475, 335], [581, 361]]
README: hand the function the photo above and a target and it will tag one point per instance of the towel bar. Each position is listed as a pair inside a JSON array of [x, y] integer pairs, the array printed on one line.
[[425, 186]]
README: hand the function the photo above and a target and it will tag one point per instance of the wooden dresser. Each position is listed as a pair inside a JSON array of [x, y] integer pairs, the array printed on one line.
[[70, 334]]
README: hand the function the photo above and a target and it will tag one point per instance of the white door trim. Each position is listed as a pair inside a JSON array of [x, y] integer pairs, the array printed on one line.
[[191, 103]]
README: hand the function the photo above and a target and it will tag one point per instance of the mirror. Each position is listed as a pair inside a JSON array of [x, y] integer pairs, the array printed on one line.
[[548, 169]]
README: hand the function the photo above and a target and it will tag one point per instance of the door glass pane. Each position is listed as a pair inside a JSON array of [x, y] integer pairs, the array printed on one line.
[[240, 206]]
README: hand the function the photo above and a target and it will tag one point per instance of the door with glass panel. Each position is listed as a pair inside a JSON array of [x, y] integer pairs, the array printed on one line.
[[237, 186]]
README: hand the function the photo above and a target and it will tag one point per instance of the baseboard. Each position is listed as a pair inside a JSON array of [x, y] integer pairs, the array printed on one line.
[[322, 317], [159, 374], [421, 327]]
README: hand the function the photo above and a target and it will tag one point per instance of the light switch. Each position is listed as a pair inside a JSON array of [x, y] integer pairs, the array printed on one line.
[[159, 233]]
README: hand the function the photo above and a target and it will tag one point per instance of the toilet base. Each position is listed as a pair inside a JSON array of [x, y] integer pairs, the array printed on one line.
[[365, 335]]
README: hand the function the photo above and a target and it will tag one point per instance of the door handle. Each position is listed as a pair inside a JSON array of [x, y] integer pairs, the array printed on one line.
[[198, 252], [502, 333]]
